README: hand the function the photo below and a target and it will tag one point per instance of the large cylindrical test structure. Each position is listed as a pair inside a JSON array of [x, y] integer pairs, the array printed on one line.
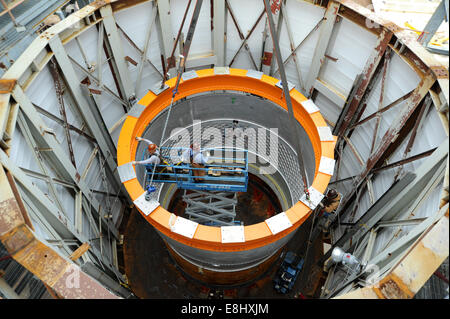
[[230, 255]]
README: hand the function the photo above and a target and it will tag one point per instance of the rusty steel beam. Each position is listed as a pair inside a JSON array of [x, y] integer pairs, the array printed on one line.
[[412, 138], [62, 110], [403, 281], [387, 57], [392, 133], [368, 72], [171, 62], [80, 251], [58, 273], [391, 136], [384, 109]]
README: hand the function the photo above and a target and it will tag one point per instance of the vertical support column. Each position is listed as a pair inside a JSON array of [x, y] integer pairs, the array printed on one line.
[[165, 33], [267, 60], [326, 29], [117, 51], [219, 31]]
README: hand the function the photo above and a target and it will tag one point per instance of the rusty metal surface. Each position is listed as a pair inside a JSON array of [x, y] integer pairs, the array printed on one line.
[[367, 75], [75, 284], [41, 260], [392, 287], [6, 86], [10, 216]]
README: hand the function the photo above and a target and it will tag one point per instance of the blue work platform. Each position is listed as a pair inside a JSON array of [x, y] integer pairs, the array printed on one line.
[[221, 174]]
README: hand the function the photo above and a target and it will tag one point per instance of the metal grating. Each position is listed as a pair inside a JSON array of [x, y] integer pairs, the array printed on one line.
[[22, 282], [286, 156]]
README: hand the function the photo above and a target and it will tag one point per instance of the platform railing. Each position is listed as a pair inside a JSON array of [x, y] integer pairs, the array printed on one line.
[[215, 175]]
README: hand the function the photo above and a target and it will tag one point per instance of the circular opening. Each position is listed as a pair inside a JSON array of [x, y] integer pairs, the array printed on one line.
[[259, 237], [219, 120]]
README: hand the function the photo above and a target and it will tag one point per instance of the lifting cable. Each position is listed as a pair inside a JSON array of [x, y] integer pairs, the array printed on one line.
[[186, 47], [284, 83]]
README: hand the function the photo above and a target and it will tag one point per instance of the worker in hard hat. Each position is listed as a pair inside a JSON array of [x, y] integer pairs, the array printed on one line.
[[195, 157], [154, 155], [329, 205], [331, 202]]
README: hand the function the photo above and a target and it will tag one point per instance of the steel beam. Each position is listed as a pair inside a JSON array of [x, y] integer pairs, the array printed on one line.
[[326, 30], [330, 92], [395, 200], [28, 136], [291, 55], [284, 14], [274, 8], [396, 223], [57, 156], [403, 280], [362, 83], [393, 132], [241, 36], [46, 208], [219, 31], [115, 43], [369, 248], [106, 145], [56, 119], [144, 52], [62, 110], [38, 218], [99, 83], [244, 41], [7, 290], [387, 56], [439, 15], [382, 110], [411, 236], [419, 121], [165, 33], [389, 166], [391, 135], [134, 45]]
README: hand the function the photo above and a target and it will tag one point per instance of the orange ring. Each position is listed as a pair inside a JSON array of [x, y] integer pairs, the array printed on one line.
[[209, 237]]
